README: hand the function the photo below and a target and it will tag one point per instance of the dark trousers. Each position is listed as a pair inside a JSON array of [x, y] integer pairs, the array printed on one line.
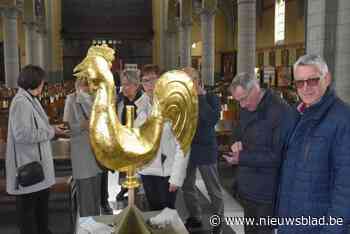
[[33, 212], [157, 192], [256, 210], [88, 196], [211, 180], [104, 188]]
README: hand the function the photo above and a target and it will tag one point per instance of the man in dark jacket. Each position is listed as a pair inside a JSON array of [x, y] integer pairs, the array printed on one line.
[[203, 156], [315, 182], [264, 124]]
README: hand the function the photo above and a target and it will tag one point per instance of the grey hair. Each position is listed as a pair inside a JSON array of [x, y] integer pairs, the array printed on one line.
[[193, 73], [133, 76], [312, 60], [78, 83], [245, 80]]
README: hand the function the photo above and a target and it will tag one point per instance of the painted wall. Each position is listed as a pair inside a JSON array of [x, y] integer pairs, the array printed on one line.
[[265, 29], [294, 31], [295, 27], [196, 36], [197, 51]]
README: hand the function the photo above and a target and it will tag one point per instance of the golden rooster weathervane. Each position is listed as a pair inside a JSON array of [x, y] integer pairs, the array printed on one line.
[[125, 148]]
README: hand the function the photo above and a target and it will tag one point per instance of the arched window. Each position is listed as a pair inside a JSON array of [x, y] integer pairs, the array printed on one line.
[[280, 13]]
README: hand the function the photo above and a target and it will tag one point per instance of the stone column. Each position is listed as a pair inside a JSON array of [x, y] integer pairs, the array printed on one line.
[[171, 50], [30, 42], [328, 30], [321, 39], [36, 44], [246, 35], [171, 32], [42, 47], [185, 44], [48, 38], [208, 50], [185, 32], [342, 59], [162, 34], [11, 53]]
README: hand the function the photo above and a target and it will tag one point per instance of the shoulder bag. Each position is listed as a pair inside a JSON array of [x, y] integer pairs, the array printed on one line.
[[30, 173]]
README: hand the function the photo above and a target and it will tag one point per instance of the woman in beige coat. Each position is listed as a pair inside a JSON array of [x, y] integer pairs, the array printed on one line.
[[29, 135], [86, 171]]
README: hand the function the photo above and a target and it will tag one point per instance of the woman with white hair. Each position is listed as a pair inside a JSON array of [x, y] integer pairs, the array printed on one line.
[[133, 95]]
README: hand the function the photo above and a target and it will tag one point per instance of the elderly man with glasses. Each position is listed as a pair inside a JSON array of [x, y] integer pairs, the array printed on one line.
[[315, 184], [264, 124]]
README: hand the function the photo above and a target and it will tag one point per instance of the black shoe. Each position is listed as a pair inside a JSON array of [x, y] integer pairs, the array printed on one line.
[[106, 209], [121, 193], [193, 223]]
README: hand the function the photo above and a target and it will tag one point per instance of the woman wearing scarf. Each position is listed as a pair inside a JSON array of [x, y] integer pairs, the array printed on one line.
[[133, 95]]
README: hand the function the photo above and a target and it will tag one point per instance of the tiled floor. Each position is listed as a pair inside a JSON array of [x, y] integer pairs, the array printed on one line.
[[59, 218]]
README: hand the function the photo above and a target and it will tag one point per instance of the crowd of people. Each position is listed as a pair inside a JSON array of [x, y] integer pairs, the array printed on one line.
[[292, 161]]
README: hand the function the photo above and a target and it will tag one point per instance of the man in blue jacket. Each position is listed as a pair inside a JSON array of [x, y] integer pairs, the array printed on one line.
[[315, 184], [264, 124], [203, 156]]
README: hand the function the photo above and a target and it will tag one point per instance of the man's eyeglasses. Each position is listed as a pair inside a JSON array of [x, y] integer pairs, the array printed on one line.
[[312, 82], [245, 97], [147, 81]]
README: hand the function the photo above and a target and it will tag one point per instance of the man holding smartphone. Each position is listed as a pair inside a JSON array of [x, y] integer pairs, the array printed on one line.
[[265, 122]]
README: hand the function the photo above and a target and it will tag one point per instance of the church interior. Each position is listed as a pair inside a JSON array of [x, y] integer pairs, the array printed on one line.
[[219, 38]]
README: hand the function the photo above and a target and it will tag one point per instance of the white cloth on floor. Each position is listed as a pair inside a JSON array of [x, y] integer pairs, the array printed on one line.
[[166, 217], [87, 225]]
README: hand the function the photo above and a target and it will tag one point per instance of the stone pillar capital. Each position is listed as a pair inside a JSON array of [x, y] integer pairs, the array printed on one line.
[[35, 26], [171, 32], [172, 25], [11, 12], [186, 23], [208, 12], [246, 2], [177, 22], [30, 24], [41, 29]]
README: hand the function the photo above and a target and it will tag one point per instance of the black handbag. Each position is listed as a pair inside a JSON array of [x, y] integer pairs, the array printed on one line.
[[30, 173]]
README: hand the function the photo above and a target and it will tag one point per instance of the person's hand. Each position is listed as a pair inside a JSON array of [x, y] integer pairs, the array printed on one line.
[[231, 158], [237, 147], [60, 131], [201, 90], [172, 188], [84, 124]]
